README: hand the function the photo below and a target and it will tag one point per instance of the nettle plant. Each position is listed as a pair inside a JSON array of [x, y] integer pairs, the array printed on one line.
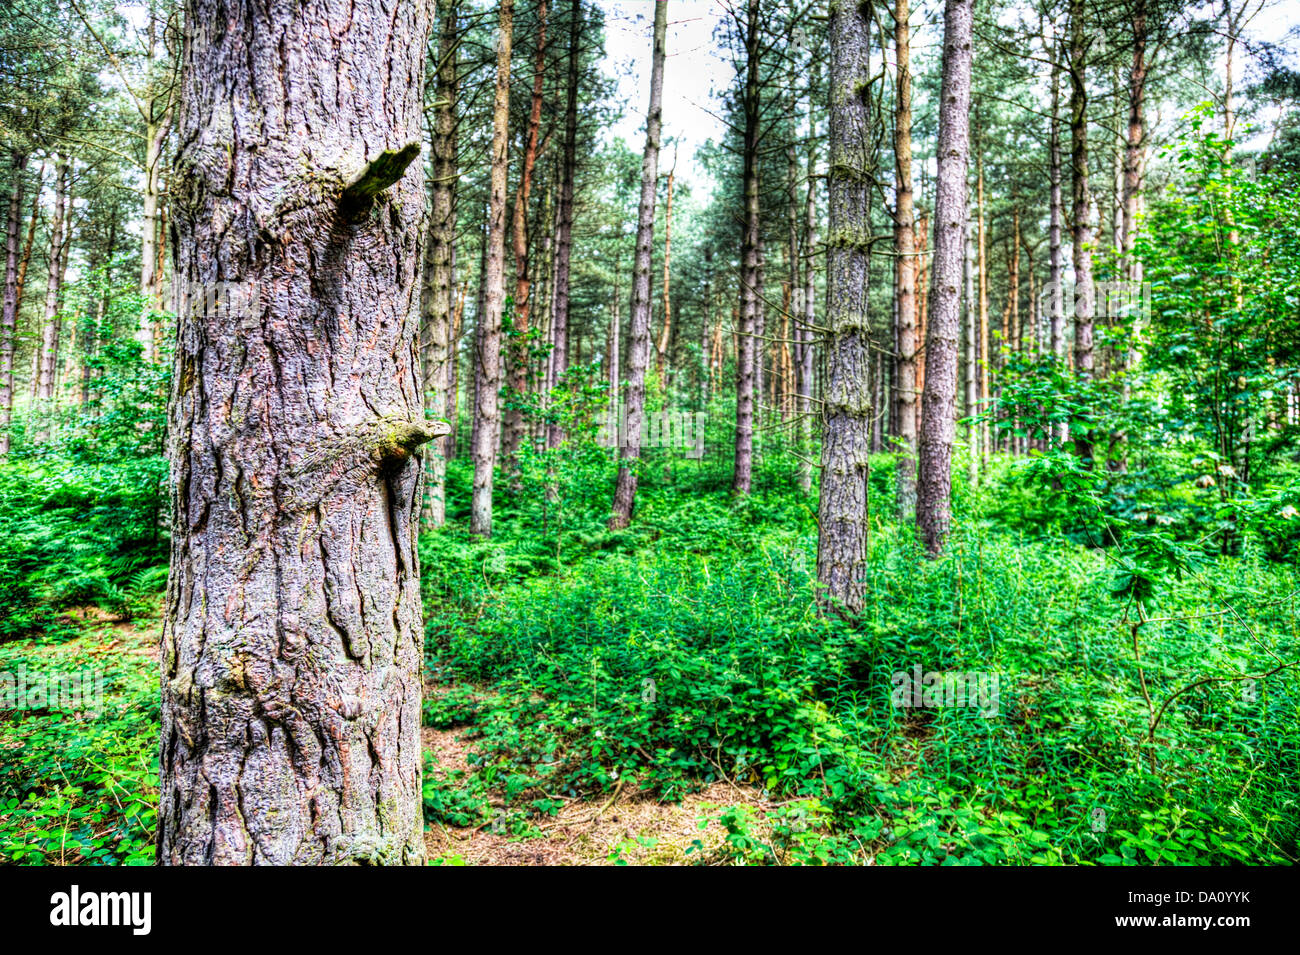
[[1147, 560]]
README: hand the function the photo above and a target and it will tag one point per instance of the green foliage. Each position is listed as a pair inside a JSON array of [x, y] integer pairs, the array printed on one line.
[[701, 658], [81, 787]]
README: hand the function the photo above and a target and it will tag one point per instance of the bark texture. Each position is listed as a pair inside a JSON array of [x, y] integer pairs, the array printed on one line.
[[748, 353], [564, 230], [905, 269], [518, 351], [1084, 293], [638, 352], [292, 644], [52, 321], [9, 315], [487, 380], [846, 399], [938, 402], [439, 278]]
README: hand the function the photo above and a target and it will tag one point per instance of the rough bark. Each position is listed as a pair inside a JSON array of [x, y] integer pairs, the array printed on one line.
[[972, 352], [666, 330], [904, 270], [9, 315], [1080, 201], [982, 261], [439, 278], [748, 354], [151, 273], [51, 320], [564, 234], [1056, 296], [805, 364], [933, 506], [487, 376], [517, 357], [638, 353], [846, 400], [1134, 138], [291, 653]]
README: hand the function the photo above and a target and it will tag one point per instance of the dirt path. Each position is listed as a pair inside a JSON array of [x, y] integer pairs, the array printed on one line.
[[633, 827]]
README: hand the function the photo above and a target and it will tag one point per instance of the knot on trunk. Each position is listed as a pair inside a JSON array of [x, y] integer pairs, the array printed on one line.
[[376, 447], [396, 439], [377, 175]]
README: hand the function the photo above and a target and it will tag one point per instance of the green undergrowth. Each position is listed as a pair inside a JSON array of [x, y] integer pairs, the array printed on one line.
[[700, 656]]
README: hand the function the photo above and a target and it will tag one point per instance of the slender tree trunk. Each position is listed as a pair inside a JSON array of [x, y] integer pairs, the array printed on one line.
[[292, 646], [904, 269], [986, 356], [665, 333], [518, 356], [805, 369], [638, 354], [612, 349], [564, 234], [846, 401], [9, 316], [487, 406], [151, 276], [933, 505], [51, 325], [1080, 200], [439, 278], [749, 353], [453, 374], [972, 350]]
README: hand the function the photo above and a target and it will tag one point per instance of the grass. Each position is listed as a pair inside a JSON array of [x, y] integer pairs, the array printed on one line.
[[684, 658]]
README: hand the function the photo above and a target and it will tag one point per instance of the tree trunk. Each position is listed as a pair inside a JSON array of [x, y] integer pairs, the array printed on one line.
[[846, 402], [9, 316], [292, 646], [748, 352], [438, 277], [518, 357], [1080, 201], [564, 234], [933, 506], [904, 270], [638, 353], [972, 351], [665, 334], [986, 357], [487, 403], [150, 259], [805, 369], [51, 330], [612, 349]]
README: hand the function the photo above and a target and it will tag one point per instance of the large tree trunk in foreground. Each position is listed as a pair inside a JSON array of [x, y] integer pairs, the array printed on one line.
[[846, 400], [292, 645], [638, 352], [487, 381], [938, 402], [905, 270]]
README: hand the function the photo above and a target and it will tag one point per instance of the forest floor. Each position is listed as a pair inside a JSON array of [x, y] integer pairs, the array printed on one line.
[[627, 827]]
